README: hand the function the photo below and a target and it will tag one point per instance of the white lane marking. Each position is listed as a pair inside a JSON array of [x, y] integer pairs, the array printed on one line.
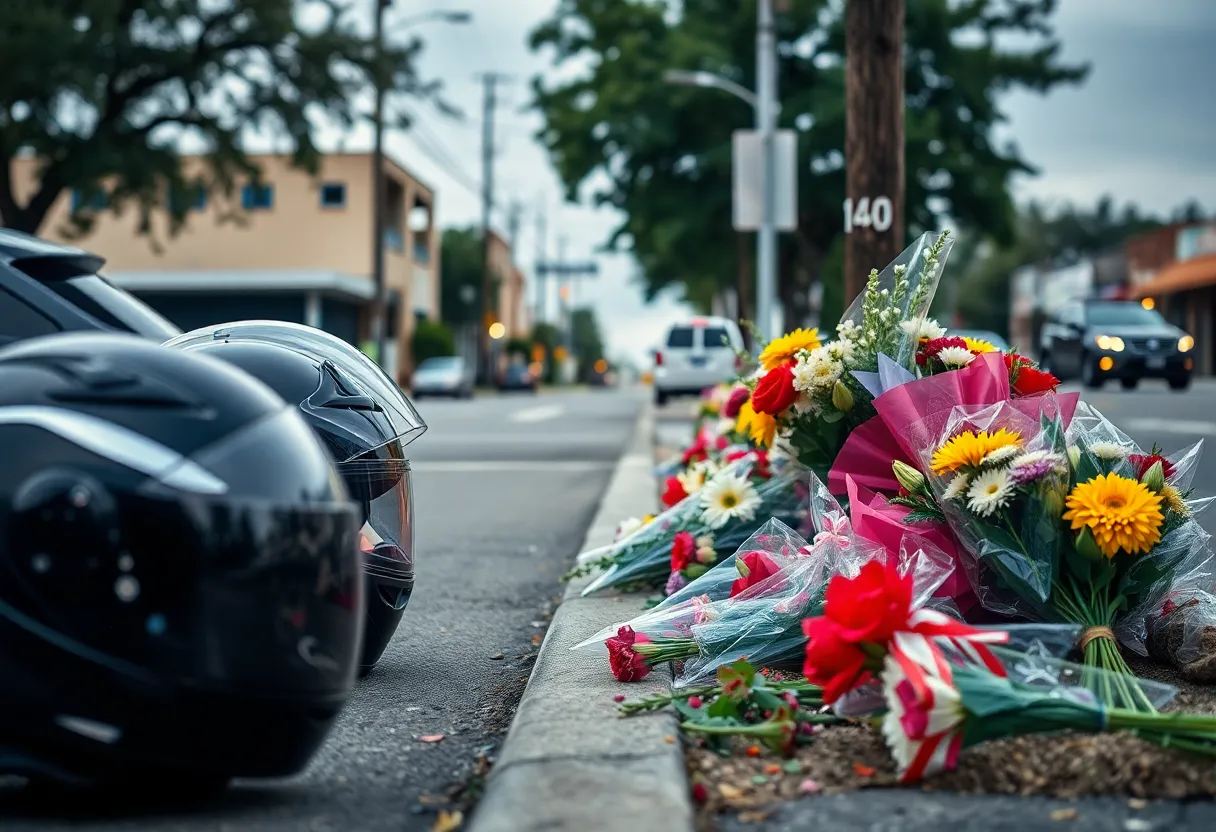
[[509, 466], [507, 440], [543, 413], [1190, 427]]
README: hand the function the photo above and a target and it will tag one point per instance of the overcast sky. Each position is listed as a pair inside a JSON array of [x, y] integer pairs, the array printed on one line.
[[1142, 129]]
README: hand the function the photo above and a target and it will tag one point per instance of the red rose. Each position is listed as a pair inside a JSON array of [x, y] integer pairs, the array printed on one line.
[[775, 390], [683, 550], [735, 401], [1031, 380], [696, 452], [835, 664], [626, 664], [759, 567], [675, 492], [872, 606], [1142, 462]]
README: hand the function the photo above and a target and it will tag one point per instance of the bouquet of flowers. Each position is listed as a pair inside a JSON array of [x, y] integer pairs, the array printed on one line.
[[1061, 529], [727, 505], [760, 616], [946, 685], [814, 394]]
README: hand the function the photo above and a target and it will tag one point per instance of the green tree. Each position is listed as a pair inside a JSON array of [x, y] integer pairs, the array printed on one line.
[[105, 92], [548, 336], [461, 276], [663, 154], [432, 339], [588, 346]]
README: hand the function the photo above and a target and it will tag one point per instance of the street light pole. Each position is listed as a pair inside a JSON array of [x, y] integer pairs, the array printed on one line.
[[379, 311], [766, 237]]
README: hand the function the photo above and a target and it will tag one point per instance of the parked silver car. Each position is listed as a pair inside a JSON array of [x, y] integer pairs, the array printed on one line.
[[450, 375]]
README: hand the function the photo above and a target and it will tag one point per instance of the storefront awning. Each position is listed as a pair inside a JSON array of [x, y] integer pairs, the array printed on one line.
[[1179, 277]]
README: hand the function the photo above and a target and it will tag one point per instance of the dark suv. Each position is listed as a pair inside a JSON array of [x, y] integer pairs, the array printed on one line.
[[1094, 340], [47, 288]]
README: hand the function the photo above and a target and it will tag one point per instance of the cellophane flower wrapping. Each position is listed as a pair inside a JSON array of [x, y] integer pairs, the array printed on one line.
[[764, 623], [1010, 483], [675, 614], [644, 557], [812, 394]]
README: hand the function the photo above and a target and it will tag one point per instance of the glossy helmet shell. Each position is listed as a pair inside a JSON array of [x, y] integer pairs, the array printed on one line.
[[180, 593], [354, 426]]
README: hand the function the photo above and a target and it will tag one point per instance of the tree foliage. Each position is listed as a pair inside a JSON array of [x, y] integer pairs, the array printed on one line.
[[432, 339], [460, 275], [1044, 237], [104, 93], [662, 154], [588, 345]]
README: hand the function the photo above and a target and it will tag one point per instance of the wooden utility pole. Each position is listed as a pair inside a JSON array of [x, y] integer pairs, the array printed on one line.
[[874, 138], [490, 81]]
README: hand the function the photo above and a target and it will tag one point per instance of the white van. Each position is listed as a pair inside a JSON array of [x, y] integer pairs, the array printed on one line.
[[697, 354]]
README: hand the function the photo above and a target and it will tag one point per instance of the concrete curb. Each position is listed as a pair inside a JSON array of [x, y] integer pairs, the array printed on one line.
[[569, 761]]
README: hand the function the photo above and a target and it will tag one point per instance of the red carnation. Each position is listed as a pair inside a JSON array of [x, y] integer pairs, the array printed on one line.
[[931, 348], [775, 391], [626, 664], [735, 401], [683, 551], [1142, 462], [758, 566], [834, 663], [675, 492]]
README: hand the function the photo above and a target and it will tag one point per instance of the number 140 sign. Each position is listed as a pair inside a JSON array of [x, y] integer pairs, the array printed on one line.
[[866, 214]]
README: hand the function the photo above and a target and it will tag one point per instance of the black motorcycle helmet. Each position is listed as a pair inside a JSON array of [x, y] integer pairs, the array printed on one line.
[[365, 422], [180, 600]]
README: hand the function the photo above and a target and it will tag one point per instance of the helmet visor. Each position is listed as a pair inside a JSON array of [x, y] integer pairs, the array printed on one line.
[[406, 422], [381, 487]]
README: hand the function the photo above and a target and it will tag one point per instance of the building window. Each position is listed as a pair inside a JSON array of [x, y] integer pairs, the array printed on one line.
[[188, 199], [257, 197], [89, 199], [333, 195]]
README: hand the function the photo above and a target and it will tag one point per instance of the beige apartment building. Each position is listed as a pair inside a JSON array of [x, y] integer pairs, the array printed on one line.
[[292, 247]]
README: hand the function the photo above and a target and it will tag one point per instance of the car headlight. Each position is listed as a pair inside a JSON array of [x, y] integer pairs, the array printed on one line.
[[1110, 343], [1186, 343]]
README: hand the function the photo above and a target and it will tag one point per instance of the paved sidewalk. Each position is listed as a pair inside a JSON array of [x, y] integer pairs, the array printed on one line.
[[570, 762]]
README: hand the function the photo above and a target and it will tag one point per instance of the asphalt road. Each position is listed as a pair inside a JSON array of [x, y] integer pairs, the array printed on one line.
[[505, 489]]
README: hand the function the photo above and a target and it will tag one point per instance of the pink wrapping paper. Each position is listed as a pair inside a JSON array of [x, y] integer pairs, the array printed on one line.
[[882, 523], [913, 416]]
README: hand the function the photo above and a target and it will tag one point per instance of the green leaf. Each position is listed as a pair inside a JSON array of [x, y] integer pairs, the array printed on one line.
[[695, 570]]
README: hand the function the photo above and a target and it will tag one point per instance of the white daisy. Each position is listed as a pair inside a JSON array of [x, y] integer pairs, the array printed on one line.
[[956, 356], [989, 491], [925, 328], [692, 479], [823, 371], [1108, 450], [1000, 455], [628, 527], [727, 497], [957, 487]]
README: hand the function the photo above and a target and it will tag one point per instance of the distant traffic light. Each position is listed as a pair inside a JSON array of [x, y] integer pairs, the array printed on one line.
[[601, 366]]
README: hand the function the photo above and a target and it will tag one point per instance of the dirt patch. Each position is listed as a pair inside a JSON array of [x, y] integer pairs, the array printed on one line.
[[849, 757]]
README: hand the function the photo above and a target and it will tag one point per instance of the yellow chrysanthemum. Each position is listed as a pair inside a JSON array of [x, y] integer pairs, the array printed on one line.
[[979, 346], [783, 349], [1172, 499], [1120, 513], [968, 449], [761, 427]]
